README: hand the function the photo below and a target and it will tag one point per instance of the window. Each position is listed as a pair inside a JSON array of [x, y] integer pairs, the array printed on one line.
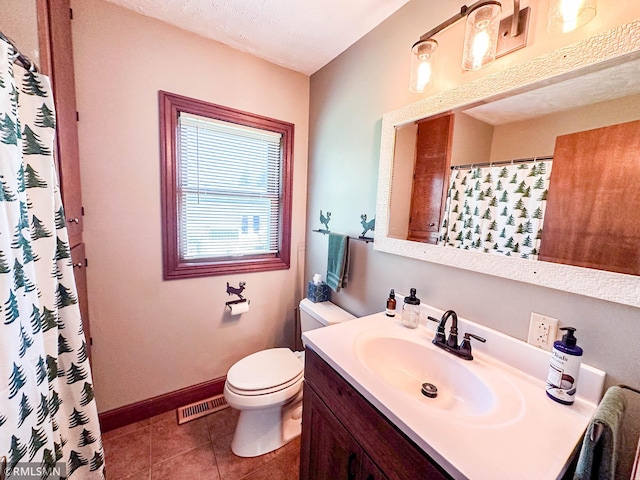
[[226, 189]]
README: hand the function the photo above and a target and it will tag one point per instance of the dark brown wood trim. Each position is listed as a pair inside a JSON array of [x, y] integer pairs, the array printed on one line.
[[44, 34], [170, 106], [135, 412]]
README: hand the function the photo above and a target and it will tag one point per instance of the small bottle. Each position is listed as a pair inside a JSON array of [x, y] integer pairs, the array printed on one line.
[[564, 368], [391, 304], [411, 310]]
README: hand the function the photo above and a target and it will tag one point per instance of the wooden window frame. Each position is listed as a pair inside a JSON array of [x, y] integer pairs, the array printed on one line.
[[170, 106]]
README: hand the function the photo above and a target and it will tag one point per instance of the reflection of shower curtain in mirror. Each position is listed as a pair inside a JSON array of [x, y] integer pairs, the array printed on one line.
[[497, 209], [48, 417]]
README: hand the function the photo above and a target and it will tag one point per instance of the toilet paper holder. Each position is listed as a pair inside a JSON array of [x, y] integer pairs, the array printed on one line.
[[236, 291], [235, 302]]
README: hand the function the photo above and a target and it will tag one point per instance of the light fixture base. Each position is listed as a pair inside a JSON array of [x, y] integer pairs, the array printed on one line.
[[507, 43]]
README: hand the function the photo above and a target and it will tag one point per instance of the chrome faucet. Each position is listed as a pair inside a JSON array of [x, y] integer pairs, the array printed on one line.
[[451, 344]]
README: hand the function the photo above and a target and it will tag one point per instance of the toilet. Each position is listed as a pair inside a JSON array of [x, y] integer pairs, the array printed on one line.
[[266, 387]]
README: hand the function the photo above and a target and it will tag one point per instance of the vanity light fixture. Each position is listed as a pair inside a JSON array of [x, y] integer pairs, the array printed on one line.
[[568, 15], [422, 63], [481, 36], [486, 38]]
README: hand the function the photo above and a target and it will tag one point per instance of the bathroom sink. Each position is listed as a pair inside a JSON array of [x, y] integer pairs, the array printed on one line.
[[464, 389], [490, 413]]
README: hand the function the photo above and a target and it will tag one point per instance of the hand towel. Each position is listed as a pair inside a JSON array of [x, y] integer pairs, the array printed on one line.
[[337, 261], [601, 444]]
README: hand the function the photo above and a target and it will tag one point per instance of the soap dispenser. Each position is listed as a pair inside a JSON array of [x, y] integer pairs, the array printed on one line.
[[564, 368], [411, 310]]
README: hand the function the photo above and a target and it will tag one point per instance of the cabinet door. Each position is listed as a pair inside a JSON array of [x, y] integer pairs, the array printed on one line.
[[331, 406], [79, 261], [57, 62], [430, 177], [370, 470], [592, 176], [328, 450]]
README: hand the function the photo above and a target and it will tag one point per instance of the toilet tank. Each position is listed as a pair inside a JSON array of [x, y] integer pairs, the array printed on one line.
[[321, 314]]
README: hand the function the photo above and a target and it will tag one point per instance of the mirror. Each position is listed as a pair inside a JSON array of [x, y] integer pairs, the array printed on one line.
[[570, 79]]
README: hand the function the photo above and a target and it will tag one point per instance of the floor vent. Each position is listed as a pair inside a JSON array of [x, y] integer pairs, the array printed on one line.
[[201, 408]]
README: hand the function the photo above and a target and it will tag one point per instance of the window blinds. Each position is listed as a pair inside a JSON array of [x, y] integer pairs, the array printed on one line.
[[228, 188]]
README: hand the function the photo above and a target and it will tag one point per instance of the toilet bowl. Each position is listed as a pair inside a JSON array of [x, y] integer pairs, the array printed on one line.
[[266, 387]]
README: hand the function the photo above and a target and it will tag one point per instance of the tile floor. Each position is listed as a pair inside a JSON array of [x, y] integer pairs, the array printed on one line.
[[159, 448]]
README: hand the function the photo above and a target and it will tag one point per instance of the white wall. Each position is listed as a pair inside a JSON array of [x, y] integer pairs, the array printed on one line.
[[471, 140], [403, 166], [19, 22], [153, 336], [349, 97], [515, 140]]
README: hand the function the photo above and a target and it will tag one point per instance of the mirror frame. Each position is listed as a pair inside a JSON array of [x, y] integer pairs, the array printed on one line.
[[594, 53]]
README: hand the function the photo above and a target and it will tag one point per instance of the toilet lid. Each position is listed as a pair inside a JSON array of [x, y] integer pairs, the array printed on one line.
[[265, 369]]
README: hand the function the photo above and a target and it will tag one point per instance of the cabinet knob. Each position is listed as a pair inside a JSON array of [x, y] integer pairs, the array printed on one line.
[[432, 224], [351, 467], [73, 220], [77, 265]]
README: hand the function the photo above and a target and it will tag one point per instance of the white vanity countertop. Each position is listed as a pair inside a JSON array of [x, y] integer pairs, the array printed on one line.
[[525, 436]]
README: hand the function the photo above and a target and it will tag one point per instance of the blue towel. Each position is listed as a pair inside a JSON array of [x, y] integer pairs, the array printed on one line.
[[337, 261], [601, 444]]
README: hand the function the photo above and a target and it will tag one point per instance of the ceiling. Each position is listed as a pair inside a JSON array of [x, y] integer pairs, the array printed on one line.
[[619, 79], [303, 35]]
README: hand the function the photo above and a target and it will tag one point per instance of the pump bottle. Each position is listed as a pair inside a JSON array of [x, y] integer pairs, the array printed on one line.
[[564, 367], [411, 310], [391, 304]]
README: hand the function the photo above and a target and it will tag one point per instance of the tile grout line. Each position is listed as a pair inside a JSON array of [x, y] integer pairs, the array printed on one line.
[[122, 434], [182, 453], [215, 456]]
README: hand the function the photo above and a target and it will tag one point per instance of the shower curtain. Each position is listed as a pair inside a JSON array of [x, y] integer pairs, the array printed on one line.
[[498, 209], [48, 419]]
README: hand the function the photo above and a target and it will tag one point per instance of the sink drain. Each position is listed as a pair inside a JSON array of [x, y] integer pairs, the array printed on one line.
[[429, 390]]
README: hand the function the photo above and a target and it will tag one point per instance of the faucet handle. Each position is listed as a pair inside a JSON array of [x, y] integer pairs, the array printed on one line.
[[440, 335], [465, 346], [477, 337]]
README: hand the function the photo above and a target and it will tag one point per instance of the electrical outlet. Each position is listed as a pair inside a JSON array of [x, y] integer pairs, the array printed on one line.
[[542, 331]]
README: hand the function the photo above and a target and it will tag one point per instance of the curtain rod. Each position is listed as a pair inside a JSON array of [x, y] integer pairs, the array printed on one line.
[[21, 58], [502, 162]]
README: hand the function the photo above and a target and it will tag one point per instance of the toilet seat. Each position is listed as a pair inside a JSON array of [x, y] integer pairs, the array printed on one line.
[[265, 372], [265, 391]]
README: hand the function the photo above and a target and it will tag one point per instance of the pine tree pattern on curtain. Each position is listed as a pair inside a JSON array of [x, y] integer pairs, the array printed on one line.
[[498, 209], [47, 408]]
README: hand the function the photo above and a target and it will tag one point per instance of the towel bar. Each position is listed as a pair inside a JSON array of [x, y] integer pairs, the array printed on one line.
[[361, 238]]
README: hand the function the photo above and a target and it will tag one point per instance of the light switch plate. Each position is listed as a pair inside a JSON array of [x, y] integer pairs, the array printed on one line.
[[542, 331]]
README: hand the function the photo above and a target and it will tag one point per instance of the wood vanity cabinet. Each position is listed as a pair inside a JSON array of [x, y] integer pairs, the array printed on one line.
[[430, 178], [345, 437]]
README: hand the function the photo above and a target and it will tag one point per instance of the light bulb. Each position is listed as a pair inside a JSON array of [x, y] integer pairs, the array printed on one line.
[[479, 48], [569, 10], [568, 15], [424, 75], [422, 63], [481, 36]]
